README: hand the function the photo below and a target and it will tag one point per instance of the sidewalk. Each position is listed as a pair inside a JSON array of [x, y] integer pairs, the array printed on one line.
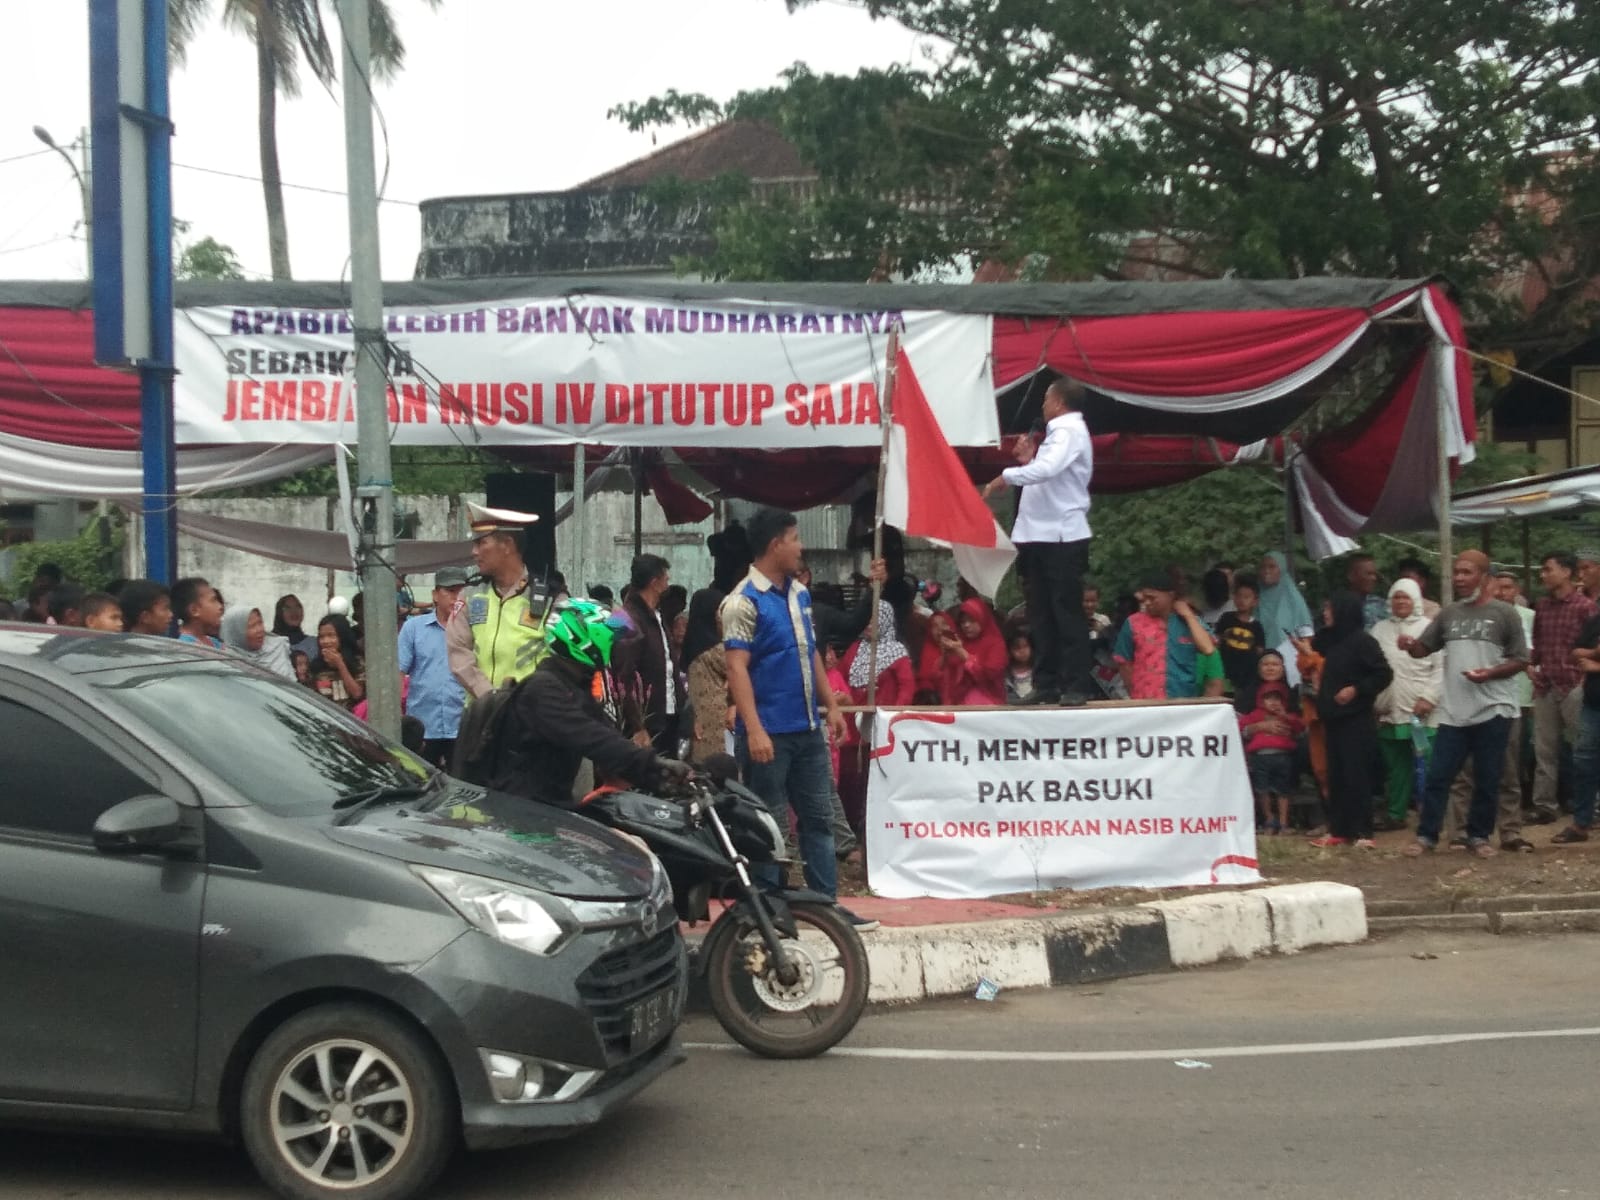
[[930, 948], [1313, 897]]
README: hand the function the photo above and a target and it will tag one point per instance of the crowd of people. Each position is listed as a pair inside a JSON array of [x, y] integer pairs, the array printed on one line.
[[1349, 722]]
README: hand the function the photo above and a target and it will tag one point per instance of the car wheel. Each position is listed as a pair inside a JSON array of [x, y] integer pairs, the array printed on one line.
[[346, 1101]]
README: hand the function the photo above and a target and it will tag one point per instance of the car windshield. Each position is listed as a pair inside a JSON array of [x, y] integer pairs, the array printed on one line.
[[276, 742]]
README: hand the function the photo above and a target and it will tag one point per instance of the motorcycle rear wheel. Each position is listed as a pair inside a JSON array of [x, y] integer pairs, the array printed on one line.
[[803, 1019]]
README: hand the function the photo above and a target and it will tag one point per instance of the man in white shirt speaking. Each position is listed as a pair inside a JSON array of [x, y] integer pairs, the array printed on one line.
[[1051, 534]]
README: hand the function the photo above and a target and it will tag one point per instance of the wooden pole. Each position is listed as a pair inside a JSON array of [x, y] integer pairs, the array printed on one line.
[[886, 422], [1446, 554]]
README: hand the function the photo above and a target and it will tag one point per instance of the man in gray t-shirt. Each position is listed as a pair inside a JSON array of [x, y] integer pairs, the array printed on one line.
[[1484, 650]]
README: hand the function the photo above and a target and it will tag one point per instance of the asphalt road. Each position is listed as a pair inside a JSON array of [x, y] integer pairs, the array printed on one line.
[[1364, 1072]]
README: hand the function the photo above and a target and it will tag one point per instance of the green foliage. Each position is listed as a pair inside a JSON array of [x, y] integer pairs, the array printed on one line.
[[904, 182], [1234, 515], [89, 559], [207, 259], [1256, 138], [418, 471]]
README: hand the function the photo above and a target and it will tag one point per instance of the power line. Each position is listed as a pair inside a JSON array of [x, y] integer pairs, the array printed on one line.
[[29, 154], [301, 187], [60, 237]]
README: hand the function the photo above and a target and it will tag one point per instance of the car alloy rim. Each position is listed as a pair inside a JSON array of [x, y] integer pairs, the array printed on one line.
[[342, 1113]]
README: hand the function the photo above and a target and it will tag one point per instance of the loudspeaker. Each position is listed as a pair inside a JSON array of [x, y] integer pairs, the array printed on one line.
[[532, 492]]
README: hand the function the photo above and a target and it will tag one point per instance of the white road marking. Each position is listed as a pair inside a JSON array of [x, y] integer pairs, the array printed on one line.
[[1204, 1052]]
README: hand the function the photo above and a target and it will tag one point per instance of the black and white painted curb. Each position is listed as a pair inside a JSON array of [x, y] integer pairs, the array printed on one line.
[[926, 961]]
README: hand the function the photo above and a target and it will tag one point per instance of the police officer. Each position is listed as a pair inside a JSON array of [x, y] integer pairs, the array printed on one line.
[[493, 634]]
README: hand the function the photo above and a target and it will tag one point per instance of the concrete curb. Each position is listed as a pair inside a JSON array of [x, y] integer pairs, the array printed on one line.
[[1494, 914], [928, 961]]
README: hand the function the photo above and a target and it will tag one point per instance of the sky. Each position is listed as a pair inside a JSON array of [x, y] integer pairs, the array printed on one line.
[[496, 96]]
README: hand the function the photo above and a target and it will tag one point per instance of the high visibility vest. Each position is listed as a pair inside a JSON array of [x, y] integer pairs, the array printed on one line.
[[506, 637]]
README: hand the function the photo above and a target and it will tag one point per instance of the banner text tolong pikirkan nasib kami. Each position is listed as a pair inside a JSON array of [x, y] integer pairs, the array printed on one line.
[[573, 368], [972, 804]]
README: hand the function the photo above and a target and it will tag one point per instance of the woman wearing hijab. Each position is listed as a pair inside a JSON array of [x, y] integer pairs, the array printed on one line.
[[1418, 684], [245, 633], [1354, 674], [702, 632], [287, 615], [976, 660], [896, 683], [929, 671], [1283, 612], [897, 686]]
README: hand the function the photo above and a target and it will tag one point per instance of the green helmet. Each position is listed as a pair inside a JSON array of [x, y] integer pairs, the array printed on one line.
[[581, 630]]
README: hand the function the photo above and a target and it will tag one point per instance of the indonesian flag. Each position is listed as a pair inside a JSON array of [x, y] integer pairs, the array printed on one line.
[[928, 494]]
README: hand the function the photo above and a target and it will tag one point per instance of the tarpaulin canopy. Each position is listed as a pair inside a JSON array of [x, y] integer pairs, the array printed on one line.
[[1531, 496], [1208, 365]]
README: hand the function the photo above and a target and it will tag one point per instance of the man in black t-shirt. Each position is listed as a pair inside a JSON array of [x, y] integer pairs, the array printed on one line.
[[1240, 637], [1586, 753]]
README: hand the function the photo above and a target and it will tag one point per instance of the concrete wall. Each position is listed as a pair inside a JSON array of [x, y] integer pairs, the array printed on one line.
[[250, 579]]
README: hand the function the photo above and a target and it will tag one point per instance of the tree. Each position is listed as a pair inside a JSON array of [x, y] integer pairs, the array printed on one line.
[[203, 259], [1251, 137], [285, 32]]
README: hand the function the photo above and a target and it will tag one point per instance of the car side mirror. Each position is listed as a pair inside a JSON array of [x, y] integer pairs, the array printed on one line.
[[143, 824]]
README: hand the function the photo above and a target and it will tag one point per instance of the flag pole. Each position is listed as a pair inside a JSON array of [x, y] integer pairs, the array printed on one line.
[[886, 422]]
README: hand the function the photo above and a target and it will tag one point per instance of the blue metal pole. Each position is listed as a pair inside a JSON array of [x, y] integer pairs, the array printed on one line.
[[155, 373]]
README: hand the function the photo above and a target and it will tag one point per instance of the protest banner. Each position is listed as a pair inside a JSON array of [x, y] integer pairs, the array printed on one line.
[[574, 368], [981, 803]]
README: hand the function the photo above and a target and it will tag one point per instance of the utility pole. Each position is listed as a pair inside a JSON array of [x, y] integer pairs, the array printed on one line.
[[374, 493]]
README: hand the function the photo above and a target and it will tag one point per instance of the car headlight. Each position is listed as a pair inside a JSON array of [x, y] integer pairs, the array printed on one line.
[[538, 923]]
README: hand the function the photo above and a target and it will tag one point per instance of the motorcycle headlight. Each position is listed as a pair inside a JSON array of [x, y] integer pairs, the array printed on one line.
[[530, 920]]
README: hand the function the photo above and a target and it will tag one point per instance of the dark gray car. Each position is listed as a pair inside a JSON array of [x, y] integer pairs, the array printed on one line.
[[228, 907]]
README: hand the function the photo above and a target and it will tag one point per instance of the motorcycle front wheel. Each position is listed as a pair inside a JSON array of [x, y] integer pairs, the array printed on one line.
[[799, 1019]]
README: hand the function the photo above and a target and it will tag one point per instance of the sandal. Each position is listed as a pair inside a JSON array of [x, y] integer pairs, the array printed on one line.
[[1329, 840], [1418, 848], [1459, 842], [1482, 849], [1365, 844], [1517, 845], [1570, 835]]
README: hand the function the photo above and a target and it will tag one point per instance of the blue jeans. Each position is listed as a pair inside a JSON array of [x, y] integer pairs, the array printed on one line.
[[1485, 743], [800, 776], [1586, 767]]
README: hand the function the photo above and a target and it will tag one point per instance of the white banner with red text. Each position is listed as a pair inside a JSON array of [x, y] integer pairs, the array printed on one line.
[[963, 805], [569, 368]]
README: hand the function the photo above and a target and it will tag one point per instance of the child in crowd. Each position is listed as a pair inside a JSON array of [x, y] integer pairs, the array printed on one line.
[[302, 666], [1270, 731], [1019, 674], [102, 611], [1240, 637]]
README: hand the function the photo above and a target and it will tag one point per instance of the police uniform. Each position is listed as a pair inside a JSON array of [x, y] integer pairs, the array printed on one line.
[[493, 638]]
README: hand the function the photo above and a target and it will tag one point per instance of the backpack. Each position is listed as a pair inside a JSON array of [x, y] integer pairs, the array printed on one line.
[[483, 728]]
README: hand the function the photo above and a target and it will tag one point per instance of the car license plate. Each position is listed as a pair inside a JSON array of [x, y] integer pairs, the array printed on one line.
[[650, 1020]]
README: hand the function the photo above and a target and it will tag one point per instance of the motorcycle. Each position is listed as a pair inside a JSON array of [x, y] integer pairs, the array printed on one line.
[[787, 976]]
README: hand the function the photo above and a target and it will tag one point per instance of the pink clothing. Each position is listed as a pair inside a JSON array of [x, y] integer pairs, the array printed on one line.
[[1147, 678], [1263, 740]]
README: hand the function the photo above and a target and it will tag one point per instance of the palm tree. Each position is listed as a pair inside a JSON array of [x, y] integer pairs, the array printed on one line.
[[285, 33]]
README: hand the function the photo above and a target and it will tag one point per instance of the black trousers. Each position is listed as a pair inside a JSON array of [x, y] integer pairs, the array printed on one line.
[[439, 751], [1352, 742], [1053, 573]]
